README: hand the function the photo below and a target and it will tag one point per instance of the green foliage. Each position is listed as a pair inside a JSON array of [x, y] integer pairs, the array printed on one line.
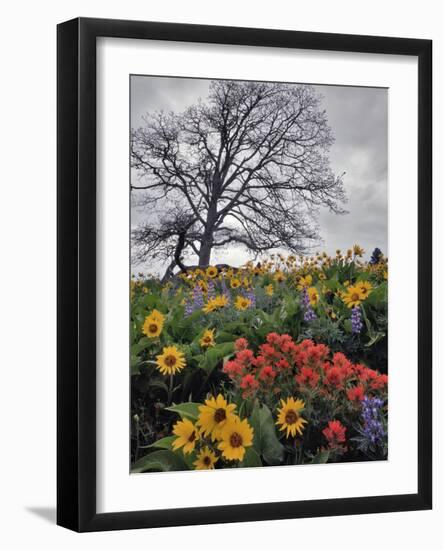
[[266, 443], [186, 410], [160, 461], [158, 401]]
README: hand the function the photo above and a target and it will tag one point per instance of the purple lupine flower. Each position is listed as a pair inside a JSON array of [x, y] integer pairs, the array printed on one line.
[[309, 314], [373, 429], [377, 255], [197, 295], [305, 298], [211, 290], [189, 307], [225, 290], [250, 295], [356, 321]]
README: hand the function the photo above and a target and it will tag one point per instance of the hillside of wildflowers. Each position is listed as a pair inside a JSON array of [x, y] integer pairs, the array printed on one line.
[[279, 362]]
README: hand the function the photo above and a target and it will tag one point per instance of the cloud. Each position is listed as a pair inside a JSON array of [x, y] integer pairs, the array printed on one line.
[[358, 118]]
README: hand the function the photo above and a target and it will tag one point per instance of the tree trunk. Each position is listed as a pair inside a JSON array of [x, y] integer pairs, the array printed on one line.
[[204, 256]]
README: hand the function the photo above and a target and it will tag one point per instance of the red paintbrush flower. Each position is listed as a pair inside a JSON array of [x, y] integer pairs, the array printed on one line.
[[307, 377], [241, 343], [248, 382], [267, 374], [334, 377], [335, 433], [379, 382], [283, 364], [356, 393]]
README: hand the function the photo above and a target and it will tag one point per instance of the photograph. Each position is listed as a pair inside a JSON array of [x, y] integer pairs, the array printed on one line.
[[258, 283]]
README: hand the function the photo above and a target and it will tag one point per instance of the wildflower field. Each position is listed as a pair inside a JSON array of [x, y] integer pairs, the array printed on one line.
[[280, 362]]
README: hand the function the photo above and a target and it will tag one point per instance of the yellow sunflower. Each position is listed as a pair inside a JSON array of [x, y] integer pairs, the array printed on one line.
[[269, 289], [235, 283], [353, 297], [203, 285], [241, 303], [170, 361], [187, 436], [304, 282], [235, 437], [365, 288], [214, 415], [206, 460], [211, 272], [279, 276], [208, 338], [313, 295], [289, 417], [358, 250], [157, 315], [153, 324], [213, 304]]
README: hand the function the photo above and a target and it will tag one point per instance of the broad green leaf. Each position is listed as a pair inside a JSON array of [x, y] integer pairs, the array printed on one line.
[[186, 410], [378, 296], [158, 384], [251, 459], [160, 461], [376, 337], [142, 344], [215, 355], [321, 457], [266, 442], [164, 443], [224, 336]]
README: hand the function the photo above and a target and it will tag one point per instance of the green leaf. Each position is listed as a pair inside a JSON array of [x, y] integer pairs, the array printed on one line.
[[224, 336], [142, 344], [376, 337], [159, 461], [251, 459], [164, 443], [215, 355], [155, 383], [186, 410], [321, 457], [378, 297], [266, 442]]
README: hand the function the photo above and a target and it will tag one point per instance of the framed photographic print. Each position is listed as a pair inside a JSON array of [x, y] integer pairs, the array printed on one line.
[[244, 274]]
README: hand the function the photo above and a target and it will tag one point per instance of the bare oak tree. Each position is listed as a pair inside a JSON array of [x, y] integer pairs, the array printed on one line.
[[247, 166]]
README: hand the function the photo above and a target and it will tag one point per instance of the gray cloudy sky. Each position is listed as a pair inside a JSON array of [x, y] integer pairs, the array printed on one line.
[[358, 118]]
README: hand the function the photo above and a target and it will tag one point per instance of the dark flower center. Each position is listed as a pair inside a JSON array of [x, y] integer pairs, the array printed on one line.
[[191, 438], [220, 415], [153, 328], [291, 417], [170, 360], [355, 297], [206, 461], [236, 440]]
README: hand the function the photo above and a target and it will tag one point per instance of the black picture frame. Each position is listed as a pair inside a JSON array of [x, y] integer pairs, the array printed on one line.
[[76, 265]]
